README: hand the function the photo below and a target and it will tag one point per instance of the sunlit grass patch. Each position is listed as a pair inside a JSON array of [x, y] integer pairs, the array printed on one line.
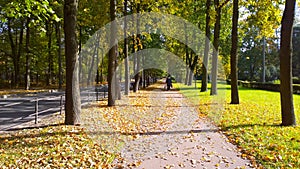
[[253, 125]]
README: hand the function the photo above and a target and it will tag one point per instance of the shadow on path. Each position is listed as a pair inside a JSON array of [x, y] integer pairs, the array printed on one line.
[[152, 133]]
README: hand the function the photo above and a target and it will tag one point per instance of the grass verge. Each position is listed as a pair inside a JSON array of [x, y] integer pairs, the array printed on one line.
[[253, 125]]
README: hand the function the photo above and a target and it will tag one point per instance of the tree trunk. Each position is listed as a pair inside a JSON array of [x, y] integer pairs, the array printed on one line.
[[193, 61], [80, 55], [137, 76], [112, 56], [187, 68], [97, 61], [144, 73], [27, 76], [19, 53], [285, 54], [91, 67], [214, 71], [233, 58], [50, 59], [206, 49], [127, 78], [16, 47], [58, 43], [13, 49], [101, 67], [73, 102], [116, 76], [263, 79]]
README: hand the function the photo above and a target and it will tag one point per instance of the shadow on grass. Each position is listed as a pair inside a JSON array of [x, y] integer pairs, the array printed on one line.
[[20, 139], [35, 127], [162, 106], [225, 128]]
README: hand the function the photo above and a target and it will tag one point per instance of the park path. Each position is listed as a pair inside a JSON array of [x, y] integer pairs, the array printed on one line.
[[187, 142]]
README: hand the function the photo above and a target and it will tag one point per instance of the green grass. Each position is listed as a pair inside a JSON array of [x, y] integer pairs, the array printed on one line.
[[253, 125]]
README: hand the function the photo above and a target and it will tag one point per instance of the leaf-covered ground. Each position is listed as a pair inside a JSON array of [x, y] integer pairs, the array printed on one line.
[[159, 129], [253, 125], [134, 115], [21, 91], [52, 147], [94, 144]]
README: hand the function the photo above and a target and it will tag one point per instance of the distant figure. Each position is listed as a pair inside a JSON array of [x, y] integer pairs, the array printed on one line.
[[169, 82]]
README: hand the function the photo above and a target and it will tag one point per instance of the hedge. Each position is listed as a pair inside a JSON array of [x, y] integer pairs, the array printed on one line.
[[265, 86]]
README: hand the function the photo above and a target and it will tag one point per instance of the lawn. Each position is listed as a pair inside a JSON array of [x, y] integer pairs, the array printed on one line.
[[253, 125]]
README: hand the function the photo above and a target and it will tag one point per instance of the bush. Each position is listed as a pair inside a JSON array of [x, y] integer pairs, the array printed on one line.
[[266, 86], [296, 80]]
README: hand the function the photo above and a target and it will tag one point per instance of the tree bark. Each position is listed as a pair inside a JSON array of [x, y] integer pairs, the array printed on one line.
[[137, 76], [233, 58], [187, 68], [214, 71], [73, 103], [112, 56], [101, 67], [116, 77], [80, 56], [91, 67], [58, 44], [206, 49], [192, 65], [16, 47], [27, 76], [50, 59], [127, 78], [285, 54], [263, 79]]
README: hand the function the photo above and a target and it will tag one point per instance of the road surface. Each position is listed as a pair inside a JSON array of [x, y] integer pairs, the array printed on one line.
[[18, 109]]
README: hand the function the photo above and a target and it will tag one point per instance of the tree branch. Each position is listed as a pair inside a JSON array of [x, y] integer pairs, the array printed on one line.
[[224, 3]]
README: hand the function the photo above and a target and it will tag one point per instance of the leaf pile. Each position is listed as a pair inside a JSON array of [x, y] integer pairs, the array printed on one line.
[[52, 147], [253, 126], [135, 114], [138, 114], [21, 91]]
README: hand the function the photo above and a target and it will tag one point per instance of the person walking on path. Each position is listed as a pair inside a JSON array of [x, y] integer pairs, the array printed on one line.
[[169, 82]]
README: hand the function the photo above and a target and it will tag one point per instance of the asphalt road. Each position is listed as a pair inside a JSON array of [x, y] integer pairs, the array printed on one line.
[[18, 109]]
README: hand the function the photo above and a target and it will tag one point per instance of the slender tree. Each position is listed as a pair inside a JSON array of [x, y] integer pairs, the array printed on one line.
[[217, 27], [285, 54], [16, 46], [137, 76], [28, 59], [73, 103], [112, 56], [233, 57], [58, 44], [49, 29], [187, 68], [206, 50], [126, 60]]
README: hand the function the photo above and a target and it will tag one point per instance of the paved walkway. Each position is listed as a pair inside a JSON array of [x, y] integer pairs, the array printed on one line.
[[188, 142], [183, 141]]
